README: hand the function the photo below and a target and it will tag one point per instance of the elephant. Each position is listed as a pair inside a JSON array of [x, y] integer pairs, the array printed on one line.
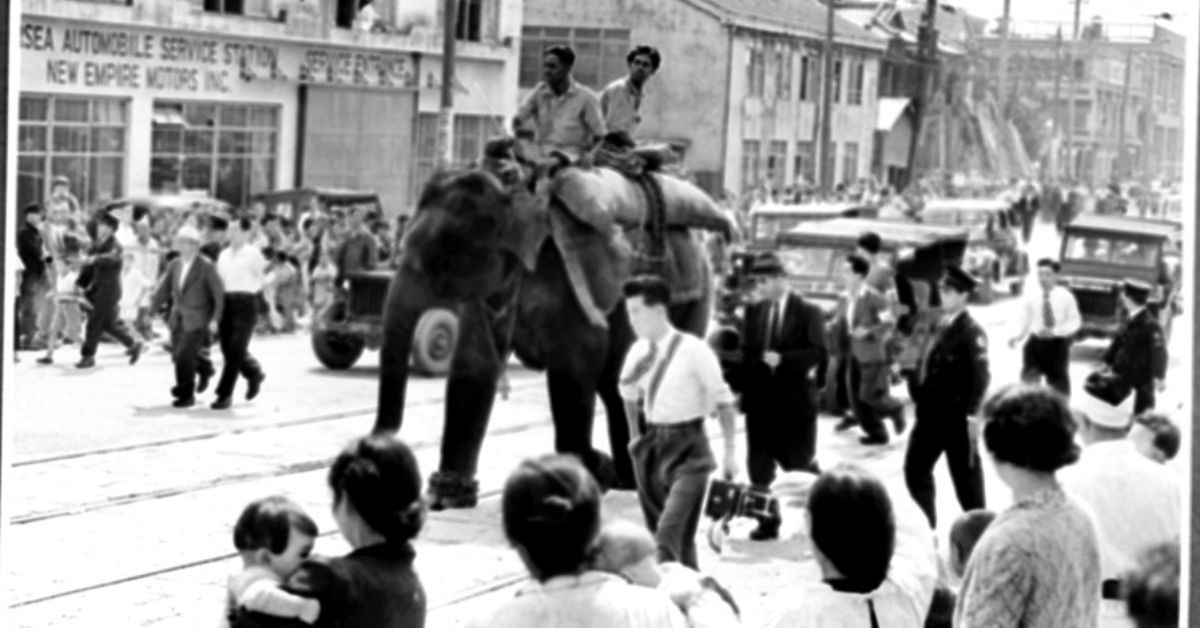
[[530, 275]]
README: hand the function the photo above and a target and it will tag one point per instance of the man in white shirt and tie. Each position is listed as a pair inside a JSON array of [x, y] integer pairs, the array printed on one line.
[[1136, 502], [1050, 320], [670, 382]]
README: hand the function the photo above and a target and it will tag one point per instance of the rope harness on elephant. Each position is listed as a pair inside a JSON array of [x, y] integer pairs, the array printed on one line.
[[650, 249], [495, 315]]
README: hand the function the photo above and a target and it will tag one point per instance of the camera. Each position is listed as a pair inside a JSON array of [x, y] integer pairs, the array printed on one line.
[[727, 500]]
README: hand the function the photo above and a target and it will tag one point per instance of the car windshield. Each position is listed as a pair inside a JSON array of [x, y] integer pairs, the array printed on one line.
[[811, 261], [767, 226], [1110, 250]]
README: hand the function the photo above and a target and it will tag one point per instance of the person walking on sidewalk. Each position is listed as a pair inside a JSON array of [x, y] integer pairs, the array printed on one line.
[[783, 347], [197, 298], [102, 276], [670, 382], [1052, 314], [951, 382], [1138, 353], [242, 268]]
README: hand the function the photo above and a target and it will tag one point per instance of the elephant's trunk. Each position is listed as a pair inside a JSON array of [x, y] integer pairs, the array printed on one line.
[[408, 298]]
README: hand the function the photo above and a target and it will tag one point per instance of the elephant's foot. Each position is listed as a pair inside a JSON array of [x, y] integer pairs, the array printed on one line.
[[448, 489], [604, 470]]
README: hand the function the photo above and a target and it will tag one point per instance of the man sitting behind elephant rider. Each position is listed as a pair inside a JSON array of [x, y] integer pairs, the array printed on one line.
[[621, 101], [560, 116]]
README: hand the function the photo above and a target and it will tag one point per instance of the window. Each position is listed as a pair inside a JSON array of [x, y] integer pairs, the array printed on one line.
[[756, 70], [1080, 69], [223, 6], [82, 139], [789, 68], [751, 163], [836, 83], [854, 95], [850, 162], [228, 151], [777, 164], [599, 53], [782, 66], [469, 20], [807, 77], [804, 163], [470, 134]]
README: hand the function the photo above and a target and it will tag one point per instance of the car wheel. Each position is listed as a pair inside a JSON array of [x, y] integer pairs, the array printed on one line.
[[335, 350], [434, 341]]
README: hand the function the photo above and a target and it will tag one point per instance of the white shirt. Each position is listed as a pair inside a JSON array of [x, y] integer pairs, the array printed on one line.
[[902, 601], [589, 600], [185, 267], [242, 269], [1066, 313], [1136, 503], [692, 386]]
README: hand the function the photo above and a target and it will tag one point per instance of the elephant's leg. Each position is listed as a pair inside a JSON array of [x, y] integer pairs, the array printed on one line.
[[470, 393], [620, 338], [691, 316], [572, 385]]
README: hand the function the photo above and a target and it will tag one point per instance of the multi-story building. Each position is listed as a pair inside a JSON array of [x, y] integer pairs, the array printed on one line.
[[1129, 71], [233, 97], [739, 90]]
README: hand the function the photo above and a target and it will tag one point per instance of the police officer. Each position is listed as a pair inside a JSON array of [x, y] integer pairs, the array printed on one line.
[[1138, 352], [951, 382]]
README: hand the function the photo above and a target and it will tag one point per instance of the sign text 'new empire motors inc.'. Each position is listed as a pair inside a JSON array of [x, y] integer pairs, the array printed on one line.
[[171, 62]]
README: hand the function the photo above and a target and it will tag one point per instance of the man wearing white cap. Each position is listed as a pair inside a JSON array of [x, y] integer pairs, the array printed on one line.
[[197, 297], [1136, 503]]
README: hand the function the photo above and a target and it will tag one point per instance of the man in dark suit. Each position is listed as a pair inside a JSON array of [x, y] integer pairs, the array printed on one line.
[[1138, 352], [864, 322], [951, 382], [35, 277], [197, 297], [101, 278], [784, 343]]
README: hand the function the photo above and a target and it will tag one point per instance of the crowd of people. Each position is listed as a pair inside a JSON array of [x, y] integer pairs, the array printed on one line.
[[88, 276]]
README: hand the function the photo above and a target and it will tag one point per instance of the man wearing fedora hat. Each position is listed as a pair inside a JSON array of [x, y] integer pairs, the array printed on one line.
[[1138, 352], [951, 382], [197, 296], [1137, 503], [783, 345], [101, 277]]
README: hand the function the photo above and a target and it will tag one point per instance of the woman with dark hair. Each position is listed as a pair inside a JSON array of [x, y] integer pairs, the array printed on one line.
[[378, 509], [878, 562], [551, 512], [1038, 564]]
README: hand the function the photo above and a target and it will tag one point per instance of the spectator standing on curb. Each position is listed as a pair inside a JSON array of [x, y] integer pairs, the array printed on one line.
[[31, 247], [1038, 564]]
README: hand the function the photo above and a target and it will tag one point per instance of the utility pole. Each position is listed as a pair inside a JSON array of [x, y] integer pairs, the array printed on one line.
[[446, 112], [1002, 82], [1122, 165], [1058, 117], [826, 165], [1071, 95], [927, 37]]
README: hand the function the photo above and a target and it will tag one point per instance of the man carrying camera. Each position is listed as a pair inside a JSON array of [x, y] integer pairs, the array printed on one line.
[[670, 382], [784, 343]]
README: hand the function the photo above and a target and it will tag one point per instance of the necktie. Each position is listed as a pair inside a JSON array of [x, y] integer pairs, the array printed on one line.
[[1047, 313], [772, 323], [642, 367]]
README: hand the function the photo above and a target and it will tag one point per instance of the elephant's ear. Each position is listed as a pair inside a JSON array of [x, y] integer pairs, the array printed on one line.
[[526, 227]]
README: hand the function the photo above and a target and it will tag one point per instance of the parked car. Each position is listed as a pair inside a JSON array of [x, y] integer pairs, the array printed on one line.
[[1100, 251], [813, 255], [768, 221], [353, 321], [995, 251]]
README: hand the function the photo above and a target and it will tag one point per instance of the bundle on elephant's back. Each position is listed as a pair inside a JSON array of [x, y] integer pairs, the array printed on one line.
[[602, 197]]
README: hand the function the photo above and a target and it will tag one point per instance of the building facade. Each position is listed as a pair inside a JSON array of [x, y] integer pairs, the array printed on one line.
[[740, 85], [232, 97], [1128, 97]]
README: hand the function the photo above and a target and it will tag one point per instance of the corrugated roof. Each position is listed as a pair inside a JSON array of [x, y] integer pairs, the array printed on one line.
[[804, 15]]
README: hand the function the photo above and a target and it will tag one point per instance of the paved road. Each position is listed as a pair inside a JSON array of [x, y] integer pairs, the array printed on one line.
[[121, 506]]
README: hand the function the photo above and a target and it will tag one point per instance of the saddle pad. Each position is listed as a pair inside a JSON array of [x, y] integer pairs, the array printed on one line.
[[602, 198]]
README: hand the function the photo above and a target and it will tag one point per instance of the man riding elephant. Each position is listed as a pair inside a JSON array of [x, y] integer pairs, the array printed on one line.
[[560, 116], [539, 275]]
